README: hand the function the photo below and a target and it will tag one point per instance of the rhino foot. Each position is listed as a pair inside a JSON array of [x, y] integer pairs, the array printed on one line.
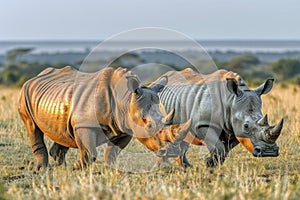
[[186, 162], [41, 157], [58, 153], [78, 165], [41, 167], [214, 161], [211, 162], [83, 164]]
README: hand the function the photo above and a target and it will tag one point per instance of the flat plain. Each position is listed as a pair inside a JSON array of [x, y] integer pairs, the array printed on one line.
[[242, 176]]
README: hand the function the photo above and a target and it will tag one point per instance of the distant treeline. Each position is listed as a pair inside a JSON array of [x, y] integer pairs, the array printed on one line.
[[16, 71]]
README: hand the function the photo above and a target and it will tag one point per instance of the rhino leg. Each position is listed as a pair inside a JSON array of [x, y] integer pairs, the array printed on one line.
[[184, 148], [38, 146], [86, 139], [114, 147], [159, 160], [110, 154], [58, 153], [215, 147], [181, 159], [231, 144]]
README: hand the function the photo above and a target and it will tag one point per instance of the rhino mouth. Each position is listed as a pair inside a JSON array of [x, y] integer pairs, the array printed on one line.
[[271, 151]]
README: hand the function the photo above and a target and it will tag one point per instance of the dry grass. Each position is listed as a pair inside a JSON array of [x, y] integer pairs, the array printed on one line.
[[241, 177]]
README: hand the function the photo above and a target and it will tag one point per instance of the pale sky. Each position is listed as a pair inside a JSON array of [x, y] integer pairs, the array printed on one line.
[[199, 19]]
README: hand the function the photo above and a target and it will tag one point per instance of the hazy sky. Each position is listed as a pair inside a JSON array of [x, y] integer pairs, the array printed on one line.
[[199, 19]]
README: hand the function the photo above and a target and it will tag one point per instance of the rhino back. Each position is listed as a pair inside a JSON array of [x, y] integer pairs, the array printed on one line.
[[202, 98], [187, 100]]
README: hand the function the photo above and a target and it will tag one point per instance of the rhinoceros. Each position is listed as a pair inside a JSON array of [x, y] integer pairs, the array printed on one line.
[[84, 110], [224, 113], [166, 142]]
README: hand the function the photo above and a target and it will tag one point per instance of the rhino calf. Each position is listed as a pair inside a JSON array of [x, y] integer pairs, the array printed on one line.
[[166, 142], [84, 110]]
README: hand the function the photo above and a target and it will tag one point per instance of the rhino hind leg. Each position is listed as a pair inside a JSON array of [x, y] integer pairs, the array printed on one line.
[[215, 146], [38, 146], [58, 153]]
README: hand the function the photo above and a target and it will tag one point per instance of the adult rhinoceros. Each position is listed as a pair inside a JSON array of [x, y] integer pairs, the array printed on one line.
[[224, 112], [85, 110]]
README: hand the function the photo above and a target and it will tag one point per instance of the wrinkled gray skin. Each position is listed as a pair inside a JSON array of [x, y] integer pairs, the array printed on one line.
[[85, 110], [223, 112]]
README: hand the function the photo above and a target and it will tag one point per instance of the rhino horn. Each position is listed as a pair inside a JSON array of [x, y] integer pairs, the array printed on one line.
[[182, 131], [275, 132], [277, 129], [263, 121], [168, 118]]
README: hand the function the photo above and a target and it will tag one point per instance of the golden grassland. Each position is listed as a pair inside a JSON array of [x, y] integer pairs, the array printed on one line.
[[241, 177]]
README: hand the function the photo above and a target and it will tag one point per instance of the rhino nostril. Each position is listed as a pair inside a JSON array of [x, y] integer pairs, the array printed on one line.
[[257, 152]]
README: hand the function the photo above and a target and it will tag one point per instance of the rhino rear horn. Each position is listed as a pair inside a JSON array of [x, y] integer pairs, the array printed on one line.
[[263, 121], [182, 131]]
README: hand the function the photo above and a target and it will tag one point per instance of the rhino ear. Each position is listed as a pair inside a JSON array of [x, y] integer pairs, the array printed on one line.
[[159, 86], [265, 87], [133, 83], [232, 86]]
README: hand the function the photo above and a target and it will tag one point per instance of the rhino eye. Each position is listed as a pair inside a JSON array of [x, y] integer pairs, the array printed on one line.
[[246, 126]]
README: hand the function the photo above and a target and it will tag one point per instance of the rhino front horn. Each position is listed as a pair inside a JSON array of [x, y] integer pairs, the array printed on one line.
[[168, 118], [263, 121], [275, 131]]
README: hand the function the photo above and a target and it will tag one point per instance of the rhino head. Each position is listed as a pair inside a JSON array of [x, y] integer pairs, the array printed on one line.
[[170, 137], [250, 127], [145, 114]]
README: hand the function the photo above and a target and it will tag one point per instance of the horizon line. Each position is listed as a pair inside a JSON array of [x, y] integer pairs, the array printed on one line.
[[100, 40]]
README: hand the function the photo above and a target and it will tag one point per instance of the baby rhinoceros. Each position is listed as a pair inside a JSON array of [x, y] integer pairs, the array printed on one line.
[[166, 143]]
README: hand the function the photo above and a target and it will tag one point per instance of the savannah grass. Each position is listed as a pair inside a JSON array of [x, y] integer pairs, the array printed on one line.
[[241, 177]]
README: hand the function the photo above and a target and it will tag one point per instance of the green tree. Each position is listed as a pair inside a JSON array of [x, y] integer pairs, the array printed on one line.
[[241, 62], [286, 68], [12, 55]]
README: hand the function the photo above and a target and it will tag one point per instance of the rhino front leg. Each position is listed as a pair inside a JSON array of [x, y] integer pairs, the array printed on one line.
[[111, 153], [114, 147], [86, 139], [215, 147], [229, 145], [58, 153]]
